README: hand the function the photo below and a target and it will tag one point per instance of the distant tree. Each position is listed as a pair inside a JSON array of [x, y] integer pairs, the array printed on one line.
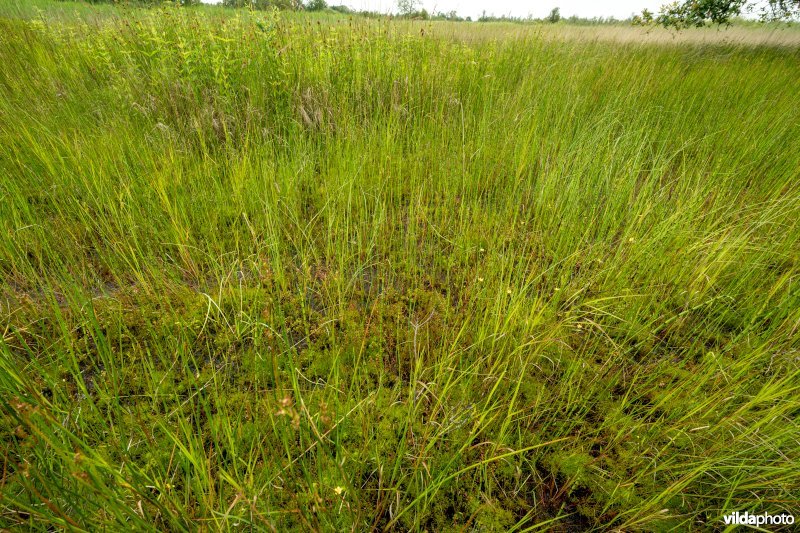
[[407, 7], [554, 16], [697, 13], [250, 4], [316, 5], [450, 15], [292, 5]]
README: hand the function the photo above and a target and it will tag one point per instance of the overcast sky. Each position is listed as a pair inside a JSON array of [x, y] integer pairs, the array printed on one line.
[[517, 8]]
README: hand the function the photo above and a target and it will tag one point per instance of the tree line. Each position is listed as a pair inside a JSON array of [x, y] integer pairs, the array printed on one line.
[[677, 15]]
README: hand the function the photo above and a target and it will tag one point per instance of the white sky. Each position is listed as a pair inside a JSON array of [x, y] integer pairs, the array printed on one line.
[[519, 8]]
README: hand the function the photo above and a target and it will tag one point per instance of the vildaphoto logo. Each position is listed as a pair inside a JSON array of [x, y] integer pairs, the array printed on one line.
[[747, 519]]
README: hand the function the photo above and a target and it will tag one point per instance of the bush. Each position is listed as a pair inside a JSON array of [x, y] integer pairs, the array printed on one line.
[[316, 5]]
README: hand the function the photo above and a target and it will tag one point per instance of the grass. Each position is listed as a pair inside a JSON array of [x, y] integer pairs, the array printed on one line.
[[280, 272]]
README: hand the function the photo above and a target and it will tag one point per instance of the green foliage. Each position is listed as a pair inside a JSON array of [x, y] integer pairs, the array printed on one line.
[[295, 271], [554, 16], [644, 19], [316, 5], [263, 5], [407, 7], [697, 13]]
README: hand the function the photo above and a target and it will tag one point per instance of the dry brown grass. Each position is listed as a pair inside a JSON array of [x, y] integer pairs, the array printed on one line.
[[735, 35]]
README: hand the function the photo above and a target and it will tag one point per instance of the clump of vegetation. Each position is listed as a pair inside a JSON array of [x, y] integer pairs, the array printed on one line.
[[554, 16], [699, 13], [299, 271]]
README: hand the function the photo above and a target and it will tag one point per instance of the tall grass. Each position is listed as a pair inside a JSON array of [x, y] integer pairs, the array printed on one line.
[[281, 272]]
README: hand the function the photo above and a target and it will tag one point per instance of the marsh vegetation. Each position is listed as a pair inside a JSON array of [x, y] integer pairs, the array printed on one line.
[[283, 271]]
